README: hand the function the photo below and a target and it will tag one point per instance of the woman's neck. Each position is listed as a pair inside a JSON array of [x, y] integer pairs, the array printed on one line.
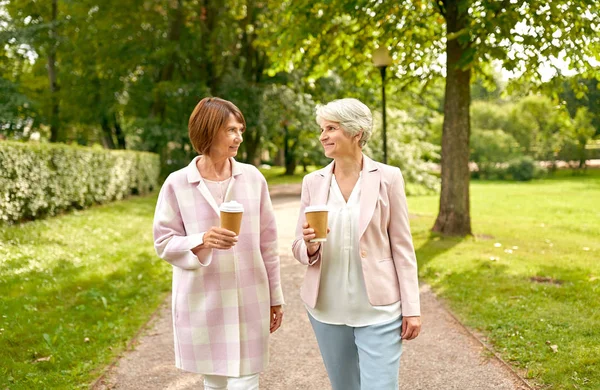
[[348, 166], [214, 169]]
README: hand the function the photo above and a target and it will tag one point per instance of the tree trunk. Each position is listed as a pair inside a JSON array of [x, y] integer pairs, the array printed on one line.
[[119, 133], [290, 166], [210, 14], [56, 133], [454, 215], [251, 141], [166, 73], [288, 152], [107, 135]]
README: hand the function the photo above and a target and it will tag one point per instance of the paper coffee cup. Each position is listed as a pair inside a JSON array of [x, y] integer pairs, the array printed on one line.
[[316, 216], [231, 216]]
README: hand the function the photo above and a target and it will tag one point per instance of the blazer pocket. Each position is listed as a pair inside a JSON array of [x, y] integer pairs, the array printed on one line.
[[386, 259]]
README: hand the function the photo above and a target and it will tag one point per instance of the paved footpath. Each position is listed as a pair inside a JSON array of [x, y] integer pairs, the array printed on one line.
[[444, 356]]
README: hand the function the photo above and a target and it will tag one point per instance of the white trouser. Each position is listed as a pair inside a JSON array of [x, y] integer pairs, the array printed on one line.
[[218, 382]]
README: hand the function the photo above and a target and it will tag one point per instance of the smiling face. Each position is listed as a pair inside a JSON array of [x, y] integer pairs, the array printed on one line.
[[228, 139], [336, 143]]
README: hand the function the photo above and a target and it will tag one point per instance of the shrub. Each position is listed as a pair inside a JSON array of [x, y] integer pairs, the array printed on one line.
[[38, 180], [522, 168], [490, 149]]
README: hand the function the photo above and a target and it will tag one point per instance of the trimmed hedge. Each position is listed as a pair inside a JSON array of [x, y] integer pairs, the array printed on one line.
[[38, 180]]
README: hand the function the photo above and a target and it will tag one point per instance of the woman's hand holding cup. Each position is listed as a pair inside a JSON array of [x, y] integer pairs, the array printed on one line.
[[308, 234], [315, 228], [219, 238]]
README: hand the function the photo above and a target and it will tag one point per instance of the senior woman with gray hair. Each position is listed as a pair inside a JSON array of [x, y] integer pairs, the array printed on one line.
[[361, 289]]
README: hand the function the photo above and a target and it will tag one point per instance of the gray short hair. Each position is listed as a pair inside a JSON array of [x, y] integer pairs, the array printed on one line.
[[352, 115]]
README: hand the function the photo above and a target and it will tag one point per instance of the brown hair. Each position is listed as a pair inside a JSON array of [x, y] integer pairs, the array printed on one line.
[[208, 118]]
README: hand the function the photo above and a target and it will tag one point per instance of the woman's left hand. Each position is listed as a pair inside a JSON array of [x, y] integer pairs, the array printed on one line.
[[276, 317], [411, 327]]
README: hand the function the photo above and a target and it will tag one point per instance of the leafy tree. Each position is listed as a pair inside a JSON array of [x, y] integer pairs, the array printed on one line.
[[288, 118], [340, 35], [539, 126], [579, 133], [587, 95], [35, 26], [489, 148], [17, 111], [408, 148], [487, 115]]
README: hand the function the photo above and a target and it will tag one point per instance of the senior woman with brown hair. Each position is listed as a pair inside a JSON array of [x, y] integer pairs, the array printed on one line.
[[227, 295], [360, 288]]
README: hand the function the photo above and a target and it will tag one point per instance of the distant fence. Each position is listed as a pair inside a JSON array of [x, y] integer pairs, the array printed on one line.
[[38, 180]]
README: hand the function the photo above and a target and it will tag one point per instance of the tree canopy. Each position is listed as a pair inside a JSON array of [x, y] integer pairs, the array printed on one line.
[[453, 39]]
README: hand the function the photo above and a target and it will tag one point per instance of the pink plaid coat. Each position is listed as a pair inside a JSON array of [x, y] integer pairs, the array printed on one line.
[[221, 298]]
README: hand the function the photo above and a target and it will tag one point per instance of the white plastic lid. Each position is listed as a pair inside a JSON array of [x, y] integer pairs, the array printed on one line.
[[312, 209], [232, 207]]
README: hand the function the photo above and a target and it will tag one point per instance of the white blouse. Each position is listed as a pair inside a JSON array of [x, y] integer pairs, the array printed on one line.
[[342, 296], [218, 189]]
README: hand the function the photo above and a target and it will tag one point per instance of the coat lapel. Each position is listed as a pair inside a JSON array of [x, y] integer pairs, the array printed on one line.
[[369, 193], [322, 186], [236, 169], [193, 176]]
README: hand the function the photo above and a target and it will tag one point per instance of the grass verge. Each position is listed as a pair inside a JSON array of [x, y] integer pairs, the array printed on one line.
[[73, 291], [530, 277]]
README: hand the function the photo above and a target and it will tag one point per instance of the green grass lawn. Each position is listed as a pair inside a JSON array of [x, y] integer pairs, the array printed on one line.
[[73, 291], [530, 278]]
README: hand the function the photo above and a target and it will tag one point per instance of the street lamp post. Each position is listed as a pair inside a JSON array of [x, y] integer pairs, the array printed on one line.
[[382, 59]]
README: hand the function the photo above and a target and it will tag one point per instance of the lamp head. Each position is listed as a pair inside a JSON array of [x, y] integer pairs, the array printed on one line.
[[381, 57]]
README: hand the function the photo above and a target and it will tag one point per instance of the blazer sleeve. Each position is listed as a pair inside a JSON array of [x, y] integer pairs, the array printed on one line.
[[299, 246], [403, 252], [268, 243], [170, 239]]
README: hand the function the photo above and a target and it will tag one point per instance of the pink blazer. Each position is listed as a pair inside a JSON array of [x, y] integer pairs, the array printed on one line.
[[389, 263]]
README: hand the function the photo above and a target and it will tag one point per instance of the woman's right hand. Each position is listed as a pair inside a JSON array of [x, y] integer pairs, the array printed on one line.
[[219, 238], [308, 234]]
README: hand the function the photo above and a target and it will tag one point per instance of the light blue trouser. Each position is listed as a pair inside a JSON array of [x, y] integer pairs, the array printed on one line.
[[360, 358]]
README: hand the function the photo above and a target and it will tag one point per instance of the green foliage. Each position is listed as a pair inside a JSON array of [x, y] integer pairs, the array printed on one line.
[[74, 290], [489, 115], [289, 125], [38, 180], [522, 168], [340, 35], [489, 149], [580, 134], [587, 96], [408, 149], [538, 125]]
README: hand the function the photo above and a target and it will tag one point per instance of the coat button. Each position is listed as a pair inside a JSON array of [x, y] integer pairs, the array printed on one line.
[[363, 254]]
